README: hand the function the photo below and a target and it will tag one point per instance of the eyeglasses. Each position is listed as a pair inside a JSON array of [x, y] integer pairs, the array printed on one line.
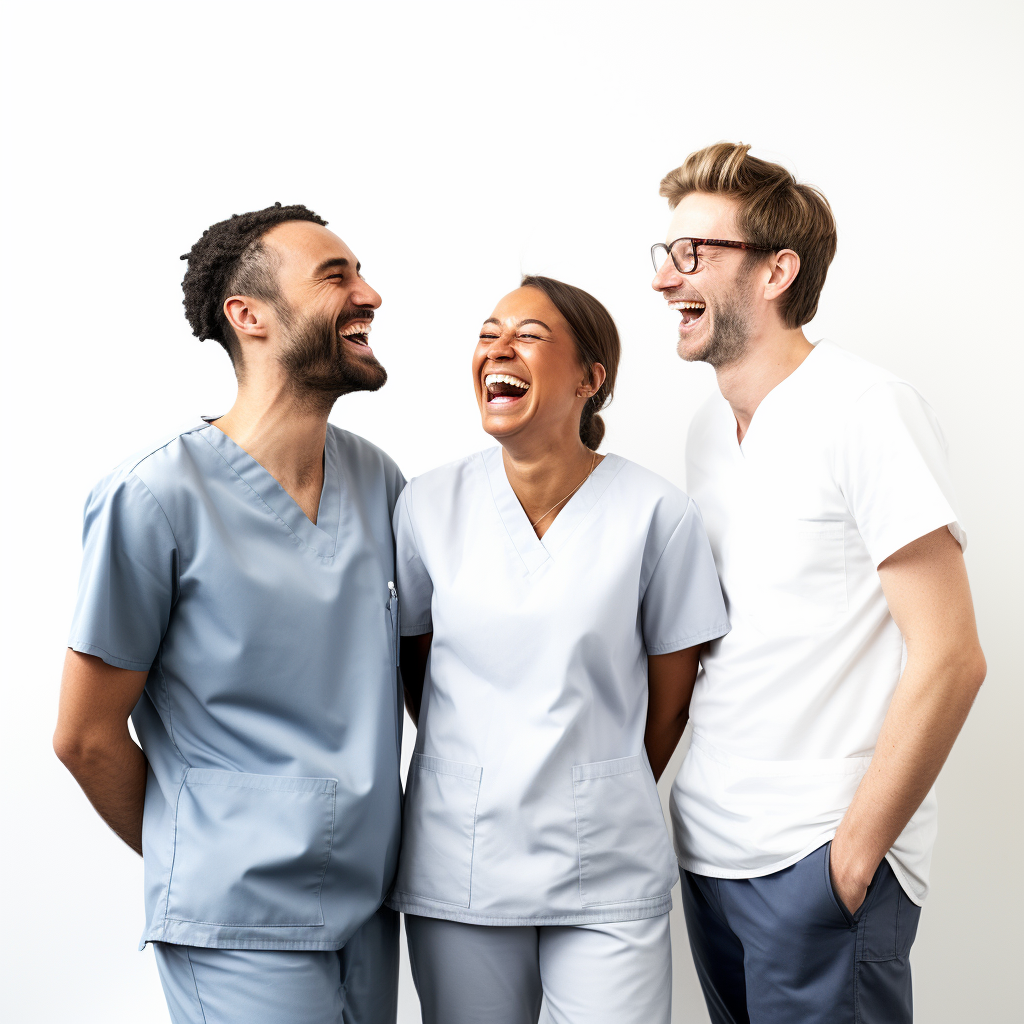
[[684, 252]]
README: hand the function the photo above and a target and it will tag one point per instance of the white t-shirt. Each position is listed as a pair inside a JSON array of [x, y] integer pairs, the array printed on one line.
[[842, 465], [529, 798]]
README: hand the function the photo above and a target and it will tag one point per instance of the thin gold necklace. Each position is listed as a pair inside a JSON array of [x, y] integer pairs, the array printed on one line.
[[593, 463]]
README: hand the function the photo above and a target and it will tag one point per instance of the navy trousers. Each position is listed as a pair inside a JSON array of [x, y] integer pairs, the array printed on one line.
[[782, 949]]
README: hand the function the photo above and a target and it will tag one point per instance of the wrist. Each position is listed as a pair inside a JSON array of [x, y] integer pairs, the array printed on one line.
[[851, 862]]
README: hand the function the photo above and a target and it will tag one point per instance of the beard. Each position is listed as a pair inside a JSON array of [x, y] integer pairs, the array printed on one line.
[[732, 326], [319, 366]]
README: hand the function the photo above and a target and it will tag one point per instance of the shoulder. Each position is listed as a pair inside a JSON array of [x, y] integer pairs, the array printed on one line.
[[841, 377], [647, 492], [445, 486], [363, 453], [451, 479], [872, 398], [152, 469]]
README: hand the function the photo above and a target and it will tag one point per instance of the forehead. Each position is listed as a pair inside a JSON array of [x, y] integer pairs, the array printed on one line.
[[701, 215], [528, 303], [303, 245]]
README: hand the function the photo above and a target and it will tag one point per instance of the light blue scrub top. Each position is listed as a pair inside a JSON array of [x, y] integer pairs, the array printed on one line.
[[530, 799], [271, 717]]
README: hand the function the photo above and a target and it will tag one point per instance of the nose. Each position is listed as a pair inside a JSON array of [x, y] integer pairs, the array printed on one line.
[[500, 347], [667, 277], [363, 295]]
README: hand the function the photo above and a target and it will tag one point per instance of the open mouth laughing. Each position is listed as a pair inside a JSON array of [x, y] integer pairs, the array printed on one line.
[[504, 389], [690, 310], [357, 331]]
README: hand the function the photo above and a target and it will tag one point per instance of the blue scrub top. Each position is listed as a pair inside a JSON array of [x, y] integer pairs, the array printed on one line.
[[271, 717]]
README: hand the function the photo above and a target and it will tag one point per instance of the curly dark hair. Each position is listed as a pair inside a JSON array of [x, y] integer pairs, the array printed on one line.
[[230, 259]]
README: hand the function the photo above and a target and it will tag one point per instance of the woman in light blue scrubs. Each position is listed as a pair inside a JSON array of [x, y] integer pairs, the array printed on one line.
[[554, 604]]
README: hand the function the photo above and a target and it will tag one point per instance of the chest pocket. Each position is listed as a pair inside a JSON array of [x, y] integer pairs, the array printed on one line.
[[799, 579]]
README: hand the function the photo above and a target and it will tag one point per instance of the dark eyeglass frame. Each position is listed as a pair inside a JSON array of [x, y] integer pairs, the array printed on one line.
[[695, 242]]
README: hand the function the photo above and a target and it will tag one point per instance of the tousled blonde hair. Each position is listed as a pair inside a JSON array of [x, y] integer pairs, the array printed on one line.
[[775, 211]]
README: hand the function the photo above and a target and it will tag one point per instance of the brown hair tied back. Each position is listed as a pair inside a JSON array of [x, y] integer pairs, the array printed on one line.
[[597, 341]]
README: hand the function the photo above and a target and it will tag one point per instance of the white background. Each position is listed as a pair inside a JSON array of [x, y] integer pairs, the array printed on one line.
[[453, 146]]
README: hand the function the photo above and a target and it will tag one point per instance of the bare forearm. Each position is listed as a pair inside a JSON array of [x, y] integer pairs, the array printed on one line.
[[112, 775], [670, 679], [923, 721], [415, 651], [661, 739]]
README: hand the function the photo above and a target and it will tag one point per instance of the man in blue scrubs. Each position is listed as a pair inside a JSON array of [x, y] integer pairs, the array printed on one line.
[[236, 600]]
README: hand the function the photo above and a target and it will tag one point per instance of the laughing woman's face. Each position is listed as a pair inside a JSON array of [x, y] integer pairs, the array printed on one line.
[[526, 370]]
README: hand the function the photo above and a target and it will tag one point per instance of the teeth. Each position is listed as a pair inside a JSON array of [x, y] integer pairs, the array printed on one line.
[[356, 328], [687, 304], [505, 378]]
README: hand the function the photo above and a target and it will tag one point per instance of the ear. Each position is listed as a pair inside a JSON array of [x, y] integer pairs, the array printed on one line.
[[592, 384], [787, 266], [247, 316]]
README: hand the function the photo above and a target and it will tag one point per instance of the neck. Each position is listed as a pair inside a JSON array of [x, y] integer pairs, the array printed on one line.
[[768, 361], [284, 434], [543, 471]]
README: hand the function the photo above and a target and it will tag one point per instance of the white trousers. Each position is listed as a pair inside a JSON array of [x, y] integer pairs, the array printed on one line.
[[580, 974]]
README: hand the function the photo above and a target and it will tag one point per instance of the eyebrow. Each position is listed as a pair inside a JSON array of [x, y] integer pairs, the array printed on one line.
[[495, 320], [338, 262]]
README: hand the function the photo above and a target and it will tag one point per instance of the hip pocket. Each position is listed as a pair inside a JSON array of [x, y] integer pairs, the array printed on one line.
[[624, 849], [250, 850], [439, 830]]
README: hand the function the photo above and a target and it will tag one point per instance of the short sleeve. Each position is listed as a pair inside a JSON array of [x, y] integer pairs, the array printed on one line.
[[394, 482], [682, 605], [415, 588], [129, 578], [891, 466]]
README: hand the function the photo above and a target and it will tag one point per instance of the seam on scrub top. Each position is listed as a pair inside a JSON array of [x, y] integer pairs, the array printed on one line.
[[668, 647], [160, 448], [169, 527], [844, 427], [195, 983], [501, 519], [158, 660], [162, 677], [586, 487], [330, 851], [579, 845], [174, 845], [259, 497], [654, 569], [110, 654]]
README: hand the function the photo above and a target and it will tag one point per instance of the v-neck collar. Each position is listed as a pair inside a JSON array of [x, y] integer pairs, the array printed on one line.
[[534, 550], [323, 535], [784, 385]]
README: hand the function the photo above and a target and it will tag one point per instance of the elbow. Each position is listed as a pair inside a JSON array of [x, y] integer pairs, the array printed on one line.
[[67, 746], [77, 749], [969, 669], [976, 670]]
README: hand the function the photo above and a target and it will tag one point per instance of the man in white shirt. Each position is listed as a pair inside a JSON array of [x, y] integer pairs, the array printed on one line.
[[804, 813]]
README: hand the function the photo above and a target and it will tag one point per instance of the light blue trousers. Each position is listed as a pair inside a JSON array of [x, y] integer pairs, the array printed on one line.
[[354, 985]]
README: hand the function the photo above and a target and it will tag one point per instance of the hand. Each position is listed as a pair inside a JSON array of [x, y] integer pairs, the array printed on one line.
[[849, 884]]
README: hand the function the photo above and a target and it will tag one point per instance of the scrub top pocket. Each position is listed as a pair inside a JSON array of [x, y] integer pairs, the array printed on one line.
[[624, 849], [439, 830], [250, 850]]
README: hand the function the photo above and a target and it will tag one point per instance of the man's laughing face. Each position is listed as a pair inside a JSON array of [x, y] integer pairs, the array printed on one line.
[[715, 303], [326, 312]]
